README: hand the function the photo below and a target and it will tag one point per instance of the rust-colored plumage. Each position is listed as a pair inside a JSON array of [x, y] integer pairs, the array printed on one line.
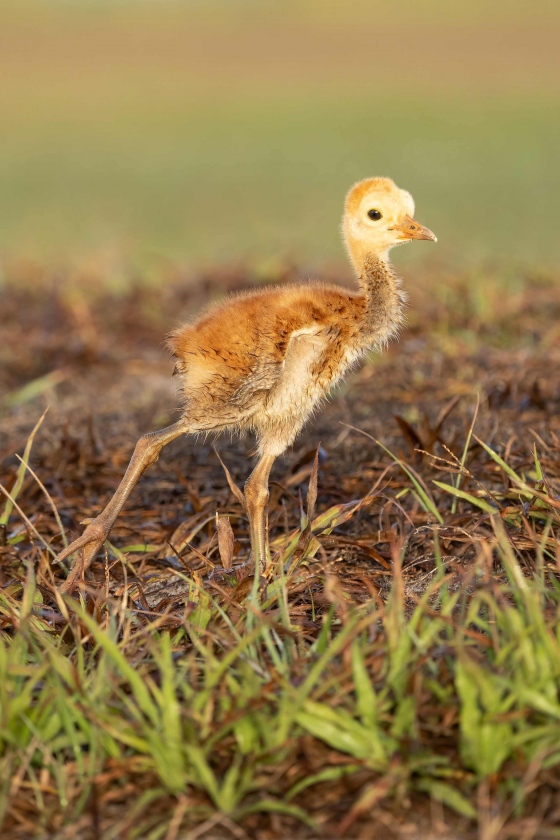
[[263, 361]]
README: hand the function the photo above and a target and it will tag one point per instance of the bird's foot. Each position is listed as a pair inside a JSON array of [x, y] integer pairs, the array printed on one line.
[[87, 545], [234, 575], [220, 575], [267, 566]]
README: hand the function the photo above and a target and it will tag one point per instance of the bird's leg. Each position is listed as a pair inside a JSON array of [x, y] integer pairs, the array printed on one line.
[[145, 454], [256, 498]]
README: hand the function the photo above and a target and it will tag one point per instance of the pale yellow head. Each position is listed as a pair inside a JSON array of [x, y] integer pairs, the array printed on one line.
[[377, 216]]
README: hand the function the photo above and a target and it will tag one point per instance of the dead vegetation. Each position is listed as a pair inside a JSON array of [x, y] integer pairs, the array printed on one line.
[[399, 675]]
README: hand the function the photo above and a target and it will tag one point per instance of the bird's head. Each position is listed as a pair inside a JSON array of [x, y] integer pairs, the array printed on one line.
[[377, 216]]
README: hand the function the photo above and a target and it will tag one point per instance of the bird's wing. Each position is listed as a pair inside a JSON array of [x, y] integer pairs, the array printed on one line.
[[285, 375]]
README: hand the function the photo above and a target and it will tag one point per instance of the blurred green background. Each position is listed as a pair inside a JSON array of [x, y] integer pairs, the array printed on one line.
[[231, 129]]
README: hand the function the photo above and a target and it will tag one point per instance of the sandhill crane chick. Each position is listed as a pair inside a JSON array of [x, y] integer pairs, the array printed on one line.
[[262, 361]]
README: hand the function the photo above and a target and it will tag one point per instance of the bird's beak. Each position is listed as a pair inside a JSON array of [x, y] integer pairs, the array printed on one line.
[[410, 229]]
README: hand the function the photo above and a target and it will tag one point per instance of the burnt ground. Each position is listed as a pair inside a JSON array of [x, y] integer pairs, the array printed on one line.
[[97, 360]]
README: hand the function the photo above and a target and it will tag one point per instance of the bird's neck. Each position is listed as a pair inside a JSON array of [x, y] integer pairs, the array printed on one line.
[[383, 296]]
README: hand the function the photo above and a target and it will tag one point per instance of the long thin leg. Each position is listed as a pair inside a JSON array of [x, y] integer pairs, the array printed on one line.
[[145, 454], [256, 498]]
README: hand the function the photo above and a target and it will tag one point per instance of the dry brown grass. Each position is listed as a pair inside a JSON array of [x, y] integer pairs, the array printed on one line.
[[97, 360]]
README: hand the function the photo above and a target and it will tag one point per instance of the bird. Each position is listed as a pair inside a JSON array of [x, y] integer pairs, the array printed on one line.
[[263, 361]]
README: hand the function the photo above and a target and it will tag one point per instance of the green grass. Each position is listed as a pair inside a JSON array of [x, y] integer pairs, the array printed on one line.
[[210, 707], [180, 134], [144, 723], [453, 693], [264, 178]]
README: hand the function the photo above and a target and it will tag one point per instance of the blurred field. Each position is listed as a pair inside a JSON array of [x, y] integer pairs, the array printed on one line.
[[398, 675], [211, 132]]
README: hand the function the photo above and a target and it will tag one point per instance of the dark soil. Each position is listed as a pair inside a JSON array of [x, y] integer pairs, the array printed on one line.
[[97, 361]]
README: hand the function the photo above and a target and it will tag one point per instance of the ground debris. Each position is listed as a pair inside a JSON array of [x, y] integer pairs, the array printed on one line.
[[451, 434]]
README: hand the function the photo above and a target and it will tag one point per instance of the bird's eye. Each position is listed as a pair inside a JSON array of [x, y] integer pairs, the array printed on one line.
[[375, 215]]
